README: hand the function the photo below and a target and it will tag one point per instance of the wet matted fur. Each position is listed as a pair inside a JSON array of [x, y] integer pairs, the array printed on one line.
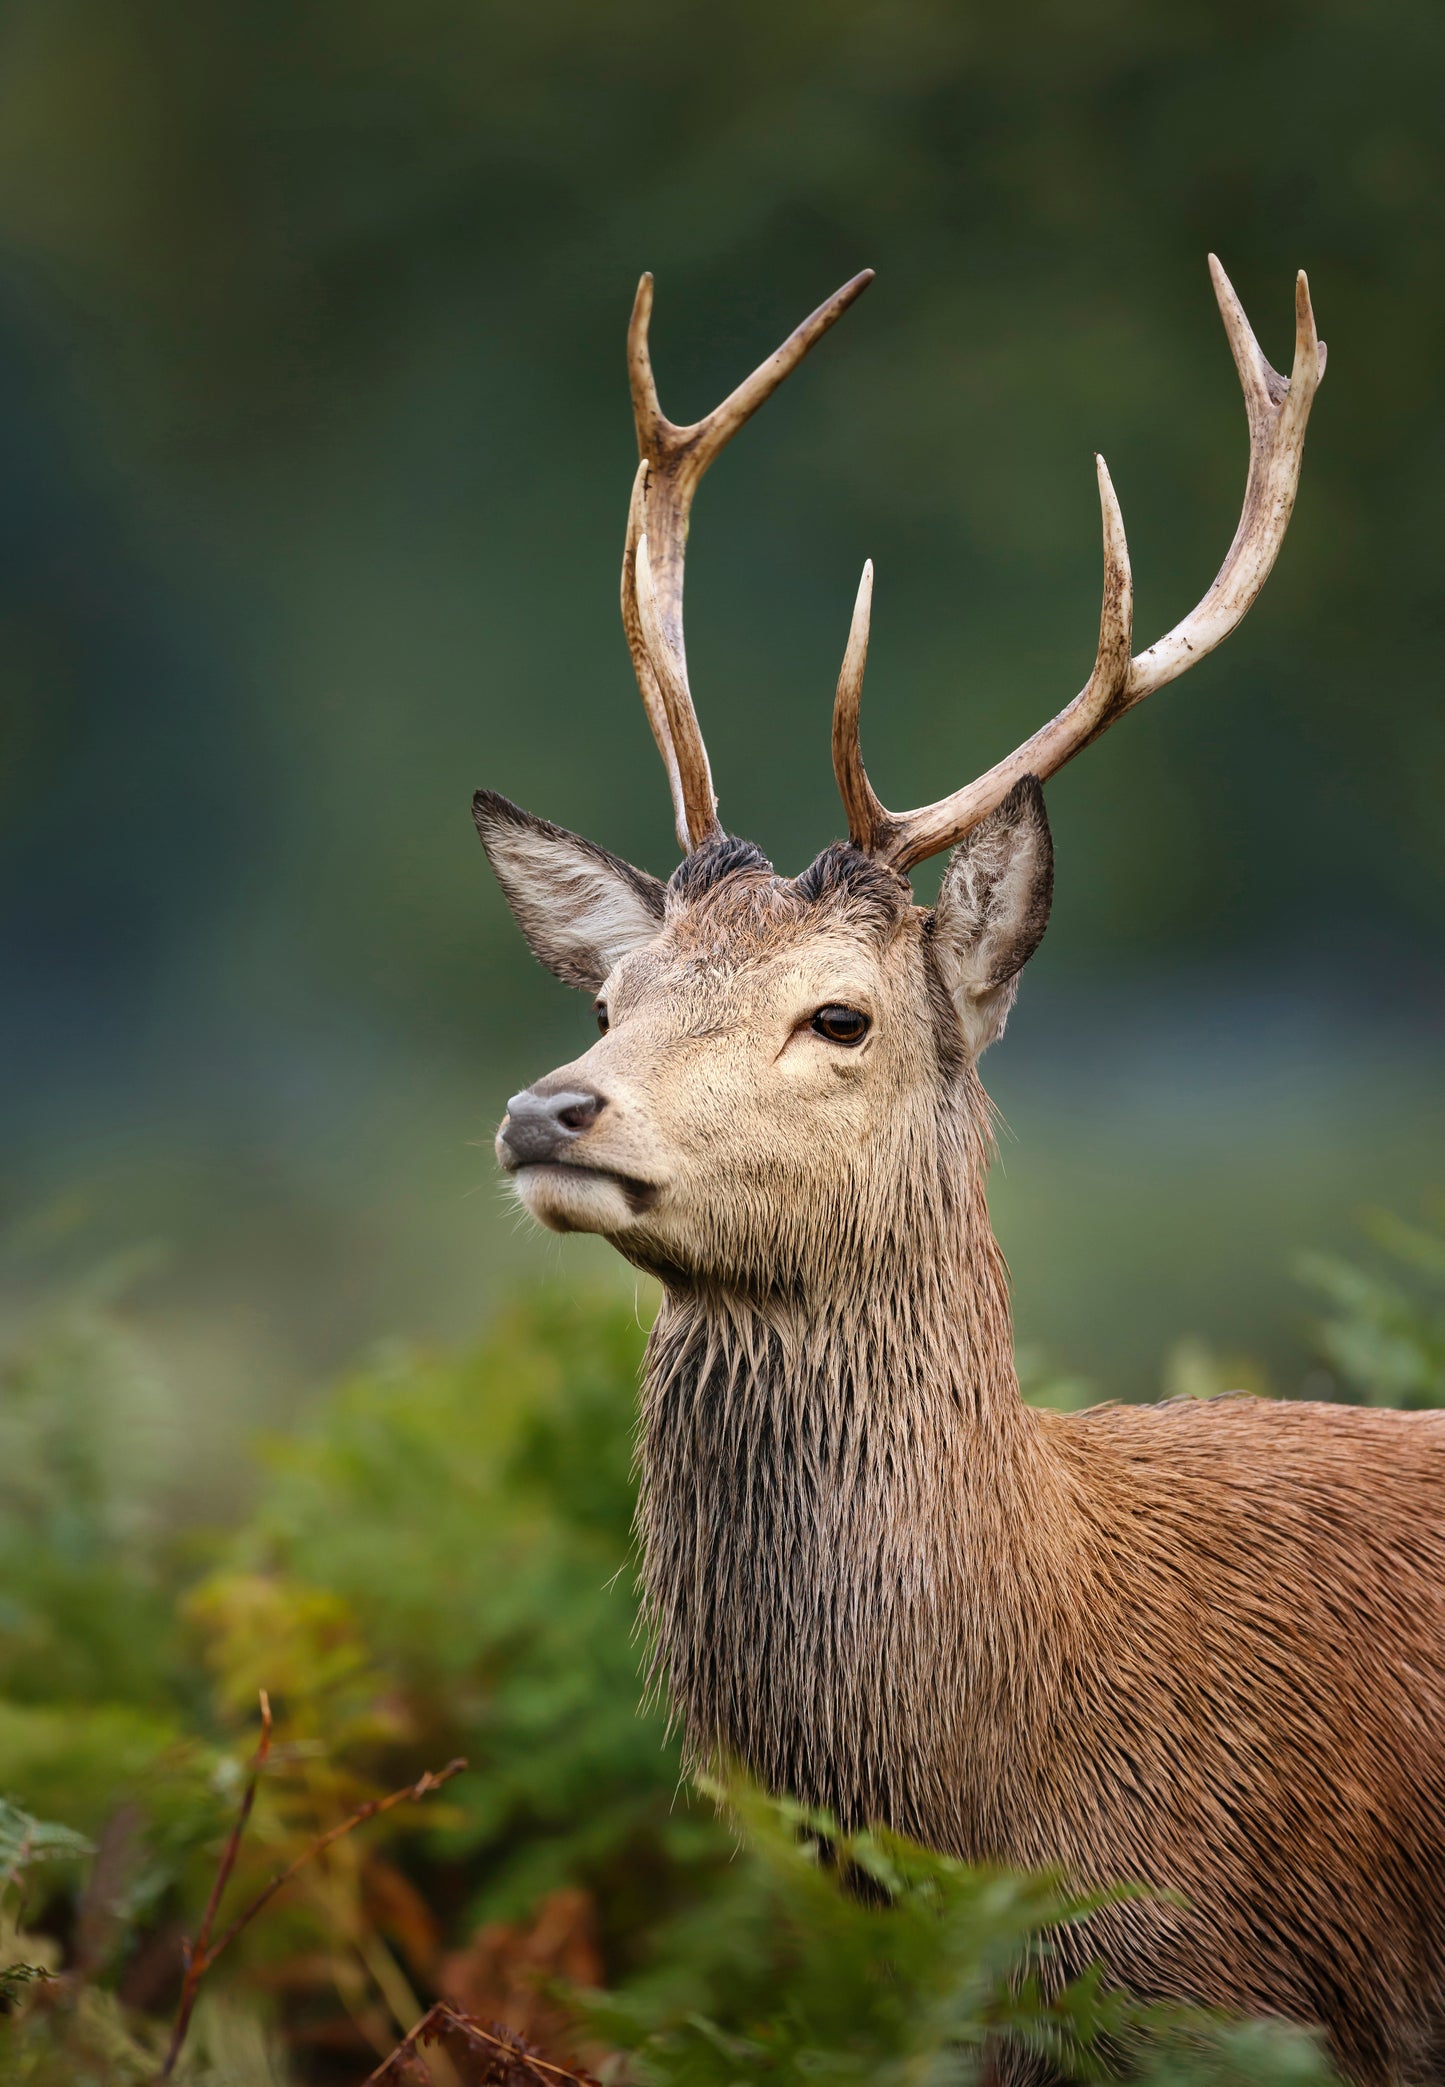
[[1200, 1645]]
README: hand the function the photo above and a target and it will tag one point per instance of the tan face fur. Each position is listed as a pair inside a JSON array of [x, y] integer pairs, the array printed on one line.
[[722, 1099], [731, 1142]]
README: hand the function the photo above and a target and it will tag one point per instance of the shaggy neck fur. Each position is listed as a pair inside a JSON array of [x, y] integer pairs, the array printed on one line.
[[1199, 1645], [842, 1498]]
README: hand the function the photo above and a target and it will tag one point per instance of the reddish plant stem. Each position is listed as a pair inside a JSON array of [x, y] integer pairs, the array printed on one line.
[[198, 1955], [413, 1792], [202, 1954], [444, 2025]]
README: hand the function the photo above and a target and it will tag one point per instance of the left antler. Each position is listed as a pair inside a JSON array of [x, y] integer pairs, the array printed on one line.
[[1278, 409], [673, 462]]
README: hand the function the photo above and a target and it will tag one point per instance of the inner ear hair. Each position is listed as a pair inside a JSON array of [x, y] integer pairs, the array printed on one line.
[[1000, 880], [993, 908], [580, 907]]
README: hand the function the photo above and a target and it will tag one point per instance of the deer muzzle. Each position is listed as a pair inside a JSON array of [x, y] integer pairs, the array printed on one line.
[[564, 1177], [540, 1129]]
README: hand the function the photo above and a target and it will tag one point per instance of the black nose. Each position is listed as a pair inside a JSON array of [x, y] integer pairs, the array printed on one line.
[[540, 1127]]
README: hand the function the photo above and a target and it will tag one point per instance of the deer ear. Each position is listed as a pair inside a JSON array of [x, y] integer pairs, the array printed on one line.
[[992, 911], [580, 908]]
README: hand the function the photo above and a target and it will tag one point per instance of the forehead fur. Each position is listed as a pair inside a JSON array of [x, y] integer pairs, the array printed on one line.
[[728, 894]]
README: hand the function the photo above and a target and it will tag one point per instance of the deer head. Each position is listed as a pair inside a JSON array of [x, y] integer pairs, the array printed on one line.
[[785, 1081]]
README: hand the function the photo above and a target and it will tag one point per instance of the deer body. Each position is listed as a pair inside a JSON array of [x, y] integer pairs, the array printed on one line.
[[1200, 1646]]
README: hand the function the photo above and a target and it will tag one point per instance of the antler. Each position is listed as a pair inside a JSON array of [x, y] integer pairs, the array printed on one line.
[[673, 461], [1278, 409]]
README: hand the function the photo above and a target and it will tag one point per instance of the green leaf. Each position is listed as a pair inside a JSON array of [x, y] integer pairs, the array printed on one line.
[[25, 1841]]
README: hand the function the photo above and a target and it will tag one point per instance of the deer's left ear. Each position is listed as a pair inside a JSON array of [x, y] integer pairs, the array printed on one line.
[[992, 911]]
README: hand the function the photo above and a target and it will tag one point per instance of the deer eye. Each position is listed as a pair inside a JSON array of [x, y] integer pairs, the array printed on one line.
[[600, 1010], [841, 1025]]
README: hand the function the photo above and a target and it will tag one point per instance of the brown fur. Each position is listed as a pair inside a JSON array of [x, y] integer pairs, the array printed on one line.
[[1197, 1645]]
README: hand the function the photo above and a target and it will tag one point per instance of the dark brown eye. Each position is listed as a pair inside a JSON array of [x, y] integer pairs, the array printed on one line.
[[841, 1025], [600, 1010]]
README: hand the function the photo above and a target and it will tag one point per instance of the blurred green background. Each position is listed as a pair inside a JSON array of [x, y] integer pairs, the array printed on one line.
[[314, 456], [314, 459]]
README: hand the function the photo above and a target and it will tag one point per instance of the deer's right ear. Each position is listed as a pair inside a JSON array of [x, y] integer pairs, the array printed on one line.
[[580, 908]]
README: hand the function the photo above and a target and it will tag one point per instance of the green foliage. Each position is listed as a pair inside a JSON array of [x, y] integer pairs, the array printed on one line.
[[25, 1840], [471, 1518], [865, 1961], [98, 1707], [1386, 1333], [85, 1435], [439, 1561], [90, 2040]]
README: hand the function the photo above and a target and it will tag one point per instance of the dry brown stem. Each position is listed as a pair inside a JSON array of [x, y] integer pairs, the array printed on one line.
[[199, 1955], [485, 2057], [203, 1952]]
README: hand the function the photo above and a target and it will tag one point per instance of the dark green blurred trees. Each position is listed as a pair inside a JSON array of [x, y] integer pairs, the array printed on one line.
[[314, 453], [344, 289]]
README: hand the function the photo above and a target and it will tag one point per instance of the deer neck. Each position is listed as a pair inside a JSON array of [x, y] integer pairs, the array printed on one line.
[[840, 1519]]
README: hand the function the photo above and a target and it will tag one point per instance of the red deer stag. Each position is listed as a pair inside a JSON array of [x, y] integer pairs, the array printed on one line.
[[1201, 1645]]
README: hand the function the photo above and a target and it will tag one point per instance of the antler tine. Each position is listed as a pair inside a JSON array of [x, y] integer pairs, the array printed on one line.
[[673, 462], [867, 819], [1278, 410], [908, 838]]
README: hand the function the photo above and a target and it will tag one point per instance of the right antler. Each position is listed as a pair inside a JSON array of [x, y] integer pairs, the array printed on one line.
[[1278, 410], [673, 461]]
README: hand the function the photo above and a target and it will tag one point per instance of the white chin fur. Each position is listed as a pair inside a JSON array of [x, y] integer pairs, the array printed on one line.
[[566, 1199]]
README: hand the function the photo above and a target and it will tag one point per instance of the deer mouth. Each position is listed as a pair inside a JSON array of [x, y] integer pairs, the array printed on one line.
[[568, 1189]]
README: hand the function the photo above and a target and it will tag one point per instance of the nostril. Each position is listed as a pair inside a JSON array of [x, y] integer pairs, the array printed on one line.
[[579, 1111], [540, 1127]]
